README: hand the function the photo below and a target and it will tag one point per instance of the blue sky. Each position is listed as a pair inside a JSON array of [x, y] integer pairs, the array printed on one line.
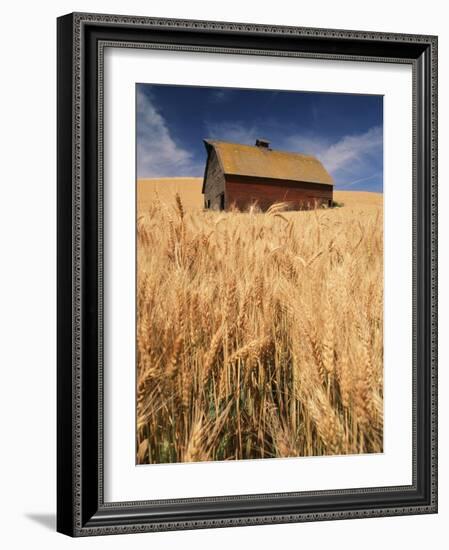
[[345, 131]]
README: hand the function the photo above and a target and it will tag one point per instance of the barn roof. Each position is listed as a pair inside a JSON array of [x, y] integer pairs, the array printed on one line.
[[262, 162]]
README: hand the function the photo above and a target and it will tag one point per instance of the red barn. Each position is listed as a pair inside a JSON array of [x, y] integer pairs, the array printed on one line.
[[239, 175]]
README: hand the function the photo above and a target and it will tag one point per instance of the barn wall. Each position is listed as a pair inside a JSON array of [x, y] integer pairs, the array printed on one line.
[[242, 192], [214, 181]]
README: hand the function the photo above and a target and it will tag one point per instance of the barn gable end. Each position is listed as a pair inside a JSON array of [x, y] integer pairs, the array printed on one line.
[[214, 183]]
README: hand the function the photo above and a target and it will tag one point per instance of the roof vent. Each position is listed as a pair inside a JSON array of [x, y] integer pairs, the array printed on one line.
[[263, 143]]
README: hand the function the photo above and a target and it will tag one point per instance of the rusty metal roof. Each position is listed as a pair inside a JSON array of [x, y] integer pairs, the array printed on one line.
[[262, 162]]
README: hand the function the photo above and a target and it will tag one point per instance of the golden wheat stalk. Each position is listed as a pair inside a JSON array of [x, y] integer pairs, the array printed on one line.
[[258, 335]]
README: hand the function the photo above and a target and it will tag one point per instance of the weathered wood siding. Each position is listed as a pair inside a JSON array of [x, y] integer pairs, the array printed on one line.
[[214, 182], [242, 192]]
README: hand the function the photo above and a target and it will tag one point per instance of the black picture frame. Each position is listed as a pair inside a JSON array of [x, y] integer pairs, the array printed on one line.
[[81, 510]]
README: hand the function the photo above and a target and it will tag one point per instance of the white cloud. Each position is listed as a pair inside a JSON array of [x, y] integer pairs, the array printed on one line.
[[354, 149], [220, 96], [158, 155], [235, 132], [354, 154], [307, 145]]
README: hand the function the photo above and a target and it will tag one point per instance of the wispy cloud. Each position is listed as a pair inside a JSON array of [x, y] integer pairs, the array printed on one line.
[[306, 144], [354, 151], [376, 175], [233, 131], [158, 154], [347, 151], [220, 96], [355, 157]]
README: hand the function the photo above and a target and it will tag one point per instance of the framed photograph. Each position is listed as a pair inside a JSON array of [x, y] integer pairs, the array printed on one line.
[[247, 278]]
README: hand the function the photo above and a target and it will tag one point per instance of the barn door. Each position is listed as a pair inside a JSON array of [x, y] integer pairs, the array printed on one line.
[[222, 201]]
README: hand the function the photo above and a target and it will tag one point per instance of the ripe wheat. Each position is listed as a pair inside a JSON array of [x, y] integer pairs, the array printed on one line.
[[260, 335]]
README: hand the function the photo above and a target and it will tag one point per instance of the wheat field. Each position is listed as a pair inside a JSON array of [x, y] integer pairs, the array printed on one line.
[[259, 335]]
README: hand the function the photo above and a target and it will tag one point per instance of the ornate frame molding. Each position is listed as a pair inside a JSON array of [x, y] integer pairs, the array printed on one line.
[[82, 510]]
